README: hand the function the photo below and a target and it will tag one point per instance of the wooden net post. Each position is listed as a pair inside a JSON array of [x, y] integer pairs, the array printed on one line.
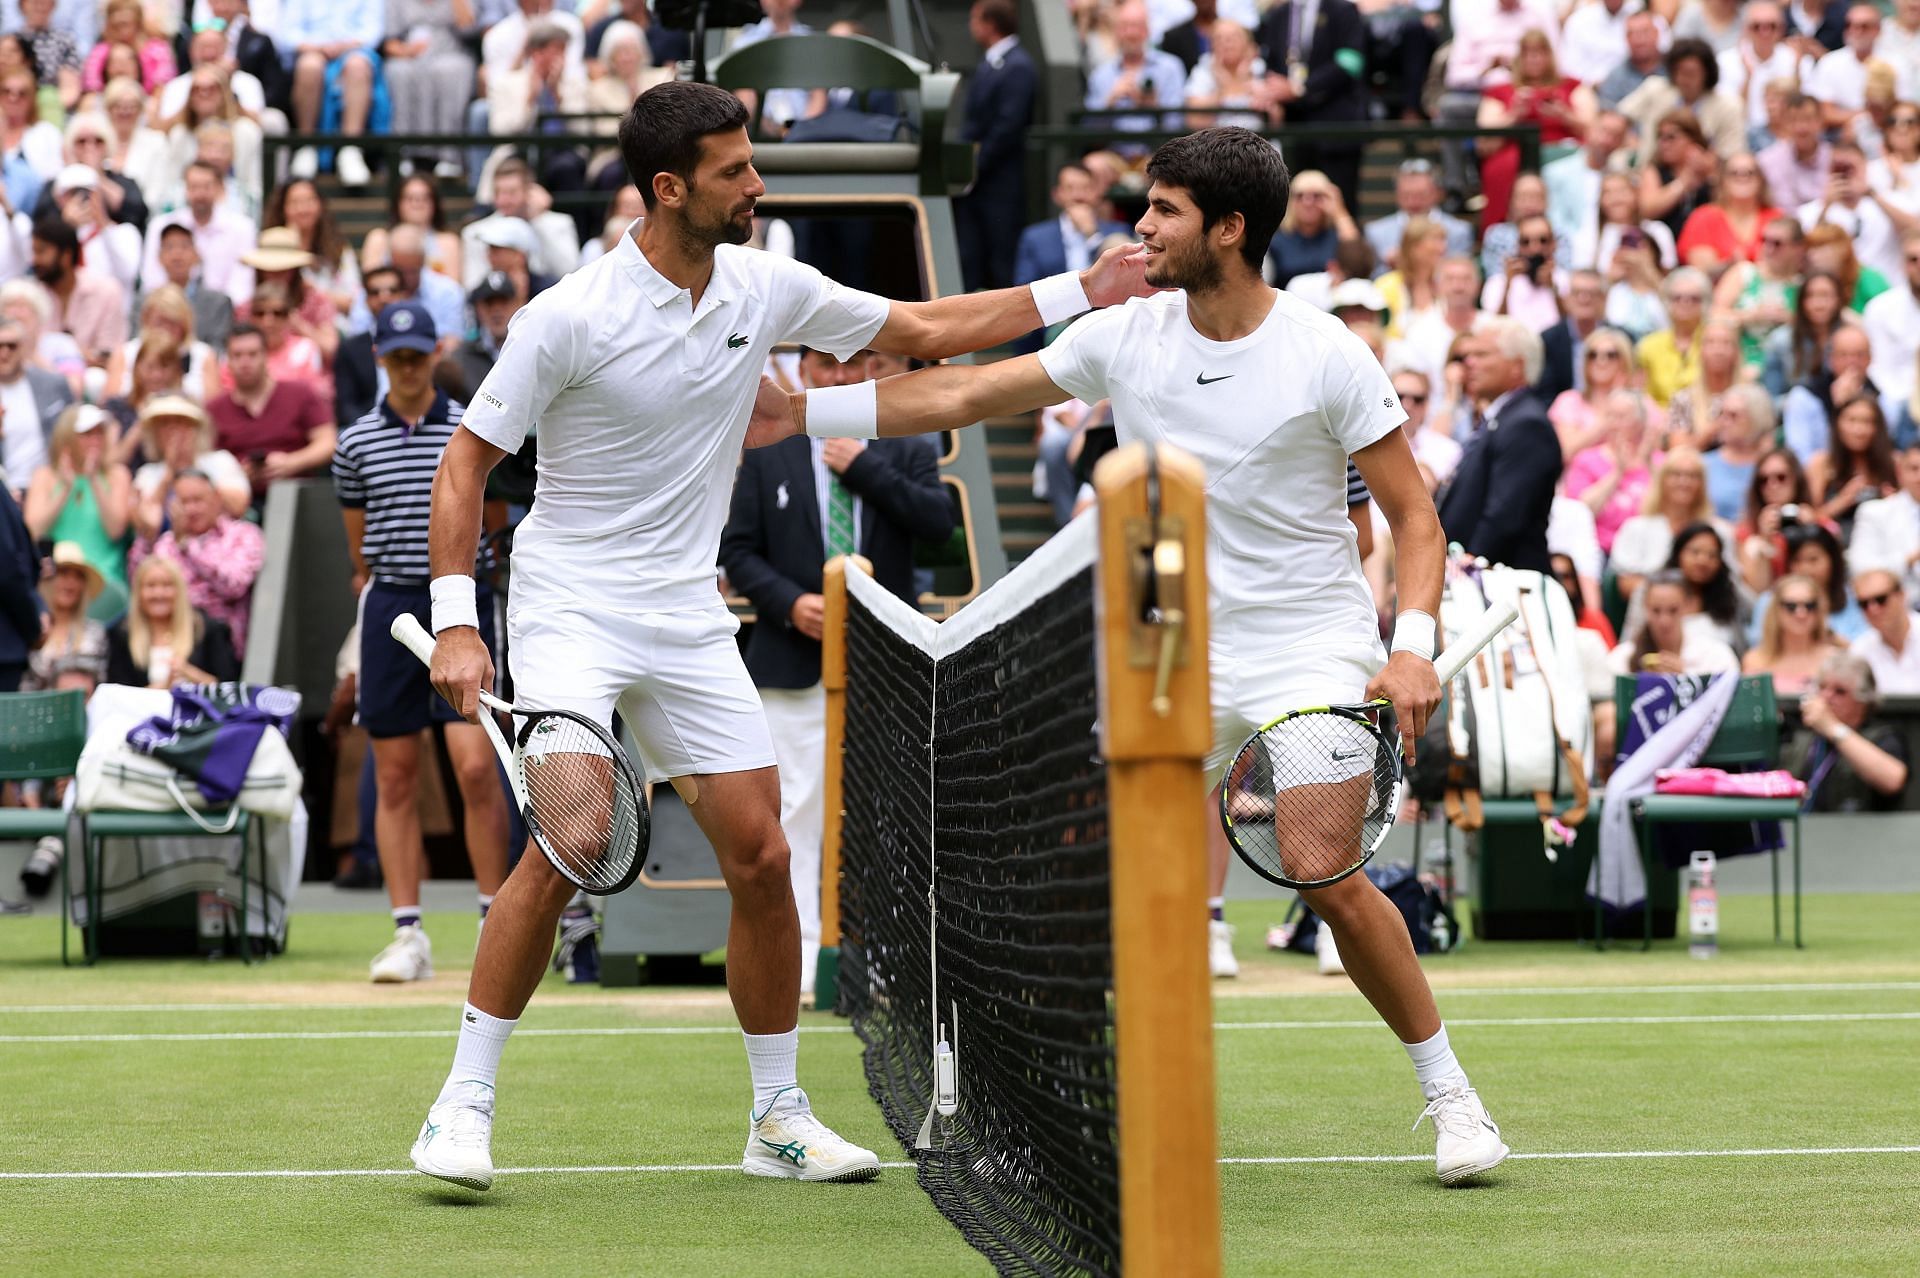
[[1156, 721], [833, 681]]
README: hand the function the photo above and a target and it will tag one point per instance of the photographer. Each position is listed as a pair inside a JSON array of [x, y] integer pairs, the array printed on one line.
[[1530, 286], [1138, 76], [1850, 762]]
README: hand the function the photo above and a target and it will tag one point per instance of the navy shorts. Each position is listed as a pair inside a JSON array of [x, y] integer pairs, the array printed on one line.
[[396, 696]]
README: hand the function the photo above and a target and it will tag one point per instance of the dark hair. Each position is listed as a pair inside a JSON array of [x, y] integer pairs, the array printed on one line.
[[208, 166], [438, 219], [1807, 350], [662, 130], [1229, 170], [1664, 577], [1719, 598], [1355, 258], [394, 271], [1001, 15], [54, 230], [175, 228], [1878, 458], [328, 244], [246, 330], [513, 166], [1798, 537], [1756, 488], [1571, 583], [1698, 50]]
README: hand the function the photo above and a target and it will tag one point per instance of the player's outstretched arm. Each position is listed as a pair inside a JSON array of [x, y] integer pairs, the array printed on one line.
[[461, 666], [918, 403], [1419, 557], [950, 326]]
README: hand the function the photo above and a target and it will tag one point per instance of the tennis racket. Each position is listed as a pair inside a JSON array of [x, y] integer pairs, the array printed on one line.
[[1309, 798], [583, 802]]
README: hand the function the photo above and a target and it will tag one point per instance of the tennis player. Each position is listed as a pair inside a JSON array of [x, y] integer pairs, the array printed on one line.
[[640, 371], [1272, 395]]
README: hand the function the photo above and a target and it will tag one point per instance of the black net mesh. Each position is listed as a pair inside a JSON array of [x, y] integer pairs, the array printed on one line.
[[991, 752]]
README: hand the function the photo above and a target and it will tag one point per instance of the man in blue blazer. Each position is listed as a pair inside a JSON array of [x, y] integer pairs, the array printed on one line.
[[999, 109], [1068, 242], [21, 611], [1501, 496], [796, 505]]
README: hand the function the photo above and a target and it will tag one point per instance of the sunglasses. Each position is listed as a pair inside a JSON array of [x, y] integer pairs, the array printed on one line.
[[1763, 26], [9, 346], [1870, 602], [1904, 121], [1798, 605], [1603, 354], [267, 312], [1415, 398], [1777, 477], [1743, 173]]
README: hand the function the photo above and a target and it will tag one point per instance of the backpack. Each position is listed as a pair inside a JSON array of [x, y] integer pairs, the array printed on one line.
[[1430, 920]]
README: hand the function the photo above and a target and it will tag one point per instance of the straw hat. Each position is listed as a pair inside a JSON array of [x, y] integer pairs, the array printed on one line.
[[163, 407], [67, 554], [278, 250]]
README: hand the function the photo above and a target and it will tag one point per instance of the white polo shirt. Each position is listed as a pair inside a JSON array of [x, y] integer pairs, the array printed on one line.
[[642, 402], [1273, 417], [1893, 672]]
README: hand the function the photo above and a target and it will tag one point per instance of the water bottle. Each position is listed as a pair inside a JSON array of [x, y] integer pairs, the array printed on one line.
[[1703, 907], [213, 925]]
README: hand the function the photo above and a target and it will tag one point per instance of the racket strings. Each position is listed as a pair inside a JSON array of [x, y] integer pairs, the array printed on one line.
[[581, 802], [1310, 797]]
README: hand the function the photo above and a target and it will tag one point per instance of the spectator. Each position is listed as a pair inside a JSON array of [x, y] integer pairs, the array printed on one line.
[[220, 235], [1850, 761], [510, 245], [1900, 38], [1691, 84], [1573, 181], [1892, 323], [1536, 93], [159, 365], [1859, 212], [167, 310], [219, 556], [331, 271], [1830, 249], [1502, 239], [180, 434], [627, 71], [89, 306], [621, 212], [1231, 74], [121, 198], [1716, 22], [1730, 228], [429, 69], [999, 108], [495, 302], [1897, 168], [208, 48], [1715, 598], [1352, 260], [1416, 193], [1071, 240], [21, 609], [337, 87], [1429, 340], [210, 100], [416, 202], [1857, 464], [30, 402], [133, 148], [1797, 166], [164, 640], [1670, 357], [1593, 40], [1891, 644], [74, 643], [1839, 79], [784, 107], [1529, 286], [1641, 63], [1411, 290], [1192, 40], [523, 99], [1795, 639], [1613, 475], [1760, 296], [1694, 411], [1138, 76], [506, 38], [1619, 220], [1741, 427], [1498, 504], [1677, 169], [1484, 52], [1586, 614], [664, 47], [291, 354], [1677, 500], [1813, 551], [280, 268], [1886, 532], [56, 54], [1816, 27], [1760, 57], [107, 248], [277, 429], [1799, 353], [1777, 497], [1665, 643], [29, 144], [126, 23], [1565, 344], [1434, 451], [358, 382], [556, 239], [1576, 411], [80, 497]]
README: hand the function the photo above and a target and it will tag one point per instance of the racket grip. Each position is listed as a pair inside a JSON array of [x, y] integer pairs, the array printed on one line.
[[408, 630], [1462, 650]]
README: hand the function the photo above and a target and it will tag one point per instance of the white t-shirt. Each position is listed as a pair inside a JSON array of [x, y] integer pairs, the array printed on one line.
[[1273, 417], [1895, 673], [642, 402]]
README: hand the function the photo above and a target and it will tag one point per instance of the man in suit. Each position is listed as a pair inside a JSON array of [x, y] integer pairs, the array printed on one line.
[[796, 505], [358, 382], [1502, 493], [1565, 343], [1000, 99], [180, 259], [1315, 51], [22, 614], [1070, 241]]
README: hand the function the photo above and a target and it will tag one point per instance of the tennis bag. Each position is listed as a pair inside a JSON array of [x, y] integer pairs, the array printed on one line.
[[1430, 921], [1527, 728]]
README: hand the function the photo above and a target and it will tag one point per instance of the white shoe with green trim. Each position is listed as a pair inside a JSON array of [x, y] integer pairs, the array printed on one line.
[[455, 1143], [786, 1141]]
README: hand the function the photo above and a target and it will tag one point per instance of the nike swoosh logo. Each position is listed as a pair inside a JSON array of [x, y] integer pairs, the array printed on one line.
[[1342, 758], [1204, 380]]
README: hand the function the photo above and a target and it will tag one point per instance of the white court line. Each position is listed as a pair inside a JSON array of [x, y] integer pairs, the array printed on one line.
[[1491, 991], [668, 1168], [646, 1031]]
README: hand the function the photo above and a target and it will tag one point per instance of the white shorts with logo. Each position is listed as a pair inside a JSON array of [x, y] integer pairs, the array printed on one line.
[[676, 678], [1251, 692]]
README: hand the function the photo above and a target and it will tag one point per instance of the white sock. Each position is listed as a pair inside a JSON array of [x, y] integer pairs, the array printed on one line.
[[773, 1059], [477, 1058], [486, 903], [1434, 1063]]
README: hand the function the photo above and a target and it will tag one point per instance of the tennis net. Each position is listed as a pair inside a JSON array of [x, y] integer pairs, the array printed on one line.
[[975, 905]]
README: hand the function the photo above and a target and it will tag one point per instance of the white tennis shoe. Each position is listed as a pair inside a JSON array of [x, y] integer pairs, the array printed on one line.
[[786, 1141], [1220, 959], [1466, 1141], [455, 1143], [408, 957]]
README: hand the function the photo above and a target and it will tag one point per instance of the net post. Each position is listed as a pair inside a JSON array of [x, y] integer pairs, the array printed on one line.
[[833, 682], [1156, 721]]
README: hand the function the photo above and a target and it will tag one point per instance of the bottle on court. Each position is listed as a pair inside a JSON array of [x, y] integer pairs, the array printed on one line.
[[1703, 907]]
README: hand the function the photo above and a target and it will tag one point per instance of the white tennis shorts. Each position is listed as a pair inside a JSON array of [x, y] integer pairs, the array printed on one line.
[[1251, 692], [676, 678]]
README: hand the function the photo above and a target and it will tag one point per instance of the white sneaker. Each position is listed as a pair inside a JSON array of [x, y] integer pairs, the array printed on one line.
[[1220, 949], [408, 957], [351, 167], [1327, 952], [306, 163], [1466, 1141], [787, 1141], [455, 1143]]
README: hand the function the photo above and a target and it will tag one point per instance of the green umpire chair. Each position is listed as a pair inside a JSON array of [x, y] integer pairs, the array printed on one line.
[[1748, 737]]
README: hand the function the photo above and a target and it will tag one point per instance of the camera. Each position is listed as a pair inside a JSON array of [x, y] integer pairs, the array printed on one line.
[[1633, 238], [1789, 515], [1534, 262]]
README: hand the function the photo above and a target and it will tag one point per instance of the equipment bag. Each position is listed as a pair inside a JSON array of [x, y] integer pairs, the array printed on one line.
[[199, 747], [1430, 920]]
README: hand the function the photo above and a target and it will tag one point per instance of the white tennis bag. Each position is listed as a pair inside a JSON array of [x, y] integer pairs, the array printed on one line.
[[1529, 723]]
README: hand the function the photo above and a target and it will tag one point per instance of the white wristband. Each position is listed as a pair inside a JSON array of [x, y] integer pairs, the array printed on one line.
[[1414, 631], [453, 603], [844, 412], [1059, 298]]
